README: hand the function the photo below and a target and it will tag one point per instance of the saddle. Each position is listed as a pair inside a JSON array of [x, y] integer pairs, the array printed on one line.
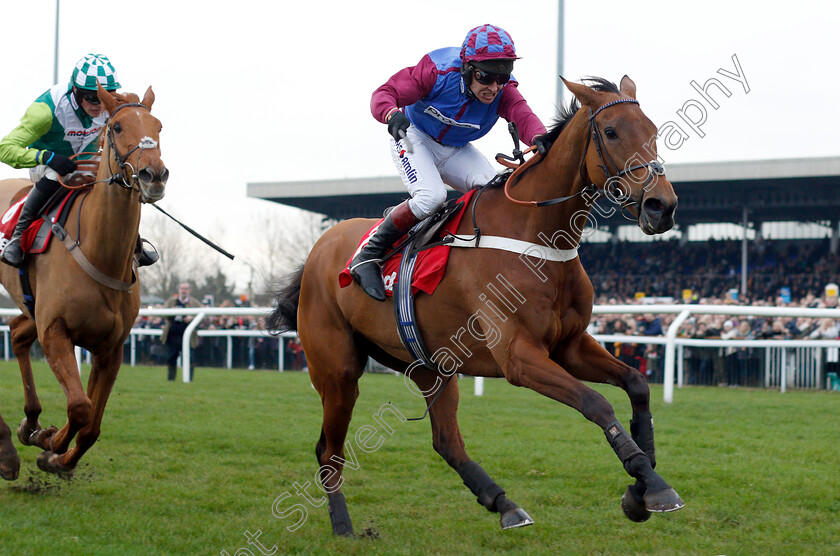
[[426, 242], [37, 237]]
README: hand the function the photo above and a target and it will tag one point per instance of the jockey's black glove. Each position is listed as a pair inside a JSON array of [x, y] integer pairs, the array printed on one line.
[[59, 163], [398, 123], [542, 143]]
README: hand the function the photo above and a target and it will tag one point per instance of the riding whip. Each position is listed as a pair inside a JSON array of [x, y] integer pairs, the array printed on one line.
[[196, 234]]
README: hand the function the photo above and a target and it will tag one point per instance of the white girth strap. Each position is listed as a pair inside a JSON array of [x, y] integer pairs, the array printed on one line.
[[517, 246]]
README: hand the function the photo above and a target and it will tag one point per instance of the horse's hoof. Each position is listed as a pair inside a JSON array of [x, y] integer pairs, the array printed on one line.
[[665, 500], [633, 505], [10, 467], [517, 517], [50, 462], [40, 437], [25, 432]]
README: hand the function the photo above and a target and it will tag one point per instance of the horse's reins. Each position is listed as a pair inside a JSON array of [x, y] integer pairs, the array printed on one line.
[[654, 167]]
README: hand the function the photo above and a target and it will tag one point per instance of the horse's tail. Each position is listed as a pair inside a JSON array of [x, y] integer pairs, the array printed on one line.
[[284, 316]]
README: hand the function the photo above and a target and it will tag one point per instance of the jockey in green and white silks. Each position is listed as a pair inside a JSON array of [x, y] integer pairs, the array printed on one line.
[[65, 120], [57, 123]]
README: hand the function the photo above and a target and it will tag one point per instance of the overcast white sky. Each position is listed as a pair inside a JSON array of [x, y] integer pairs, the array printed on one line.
[[278, 90]]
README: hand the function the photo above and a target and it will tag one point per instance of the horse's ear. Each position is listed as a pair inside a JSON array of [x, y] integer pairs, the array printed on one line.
[[106, 98], [148, 98], [627, 87], [585, 95]]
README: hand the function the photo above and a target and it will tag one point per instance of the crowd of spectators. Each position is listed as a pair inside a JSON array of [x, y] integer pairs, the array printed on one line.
[[710, 268], [780, 274]]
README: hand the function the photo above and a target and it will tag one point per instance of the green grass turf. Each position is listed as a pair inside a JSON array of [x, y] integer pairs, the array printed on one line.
[[189, 468]]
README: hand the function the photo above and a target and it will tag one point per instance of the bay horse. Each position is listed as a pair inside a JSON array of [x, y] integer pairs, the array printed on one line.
[[535, 337], [93, 308]]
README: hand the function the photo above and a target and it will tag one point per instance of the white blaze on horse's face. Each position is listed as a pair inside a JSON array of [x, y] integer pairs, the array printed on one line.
[[152, 182]]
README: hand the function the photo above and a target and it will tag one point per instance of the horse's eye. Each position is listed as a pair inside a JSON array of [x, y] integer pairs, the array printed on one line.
[[610, 133], [117, 128]]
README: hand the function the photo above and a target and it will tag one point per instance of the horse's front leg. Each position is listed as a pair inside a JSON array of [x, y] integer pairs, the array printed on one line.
[[103, 375], [586, 359], [530, 366], [448, 442], [58, 350]]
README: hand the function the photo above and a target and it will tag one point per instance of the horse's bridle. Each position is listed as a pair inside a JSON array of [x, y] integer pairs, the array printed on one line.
[[147, 143], [654, 167], [118, 178]]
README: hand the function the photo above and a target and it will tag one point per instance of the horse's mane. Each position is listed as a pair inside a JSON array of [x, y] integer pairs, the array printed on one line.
[[565, 114]]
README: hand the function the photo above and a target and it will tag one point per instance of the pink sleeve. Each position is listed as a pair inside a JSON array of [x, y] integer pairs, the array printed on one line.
[[404, 88], [514, 108]]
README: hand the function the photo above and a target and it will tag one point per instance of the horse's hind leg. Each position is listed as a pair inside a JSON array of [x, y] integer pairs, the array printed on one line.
[[23, 335], [448, 442], [587, 360], [9, 459], [335, 374]]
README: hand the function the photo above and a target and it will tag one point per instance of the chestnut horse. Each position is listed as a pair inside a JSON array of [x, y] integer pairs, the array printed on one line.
[[531, 331], [75, 307]]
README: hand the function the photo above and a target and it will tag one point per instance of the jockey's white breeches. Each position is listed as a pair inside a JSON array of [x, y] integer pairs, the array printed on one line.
[[431, 167], [42, 171]]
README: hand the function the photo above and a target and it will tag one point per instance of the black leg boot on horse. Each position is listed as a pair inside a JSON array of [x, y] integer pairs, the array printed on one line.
[[658, 496], [365, 267], [38, 198]]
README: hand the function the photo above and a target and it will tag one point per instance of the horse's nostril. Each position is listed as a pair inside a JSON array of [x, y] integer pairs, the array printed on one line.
[[164, 176], [653, 207], [145, 175]]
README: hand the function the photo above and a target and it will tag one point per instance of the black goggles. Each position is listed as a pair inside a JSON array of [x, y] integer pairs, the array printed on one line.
[[487, 78], [90, 96]]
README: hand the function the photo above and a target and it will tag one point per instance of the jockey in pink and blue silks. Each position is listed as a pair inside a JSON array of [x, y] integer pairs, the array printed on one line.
[[451, 97]]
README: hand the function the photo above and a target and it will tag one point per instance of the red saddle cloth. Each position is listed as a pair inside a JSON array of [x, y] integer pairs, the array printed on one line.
[[431, 263], [28, 239]]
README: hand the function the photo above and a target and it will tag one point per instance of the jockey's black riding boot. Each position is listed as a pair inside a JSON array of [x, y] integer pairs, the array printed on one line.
[[365, 265], [36, 201], [143, 256]]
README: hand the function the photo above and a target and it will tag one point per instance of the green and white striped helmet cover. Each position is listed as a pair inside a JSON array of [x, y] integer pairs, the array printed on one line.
[[95, 68]]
